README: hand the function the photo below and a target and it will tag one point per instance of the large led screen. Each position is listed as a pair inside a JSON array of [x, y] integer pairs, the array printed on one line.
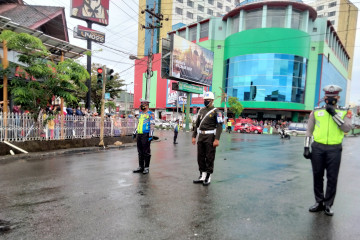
[[191, 62]]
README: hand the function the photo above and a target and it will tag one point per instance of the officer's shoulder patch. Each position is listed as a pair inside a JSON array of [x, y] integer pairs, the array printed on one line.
[[320, 114]]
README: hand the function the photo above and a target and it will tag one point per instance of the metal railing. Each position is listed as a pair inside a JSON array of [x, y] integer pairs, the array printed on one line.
[[22, 127]]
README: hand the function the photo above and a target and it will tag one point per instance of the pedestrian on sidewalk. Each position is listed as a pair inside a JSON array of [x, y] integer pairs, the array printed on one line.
[[331, 123], [176, 130], [209, 127], [144, 135]]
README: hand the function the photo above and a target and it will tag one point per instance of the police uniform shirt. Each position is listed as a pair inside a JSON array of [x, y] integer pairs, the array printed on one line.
[[212, 121], [346, 127]]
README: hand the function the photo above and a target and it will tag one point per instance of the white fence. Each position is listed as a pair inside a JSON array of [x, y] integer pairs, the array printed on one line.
[[22, 127]]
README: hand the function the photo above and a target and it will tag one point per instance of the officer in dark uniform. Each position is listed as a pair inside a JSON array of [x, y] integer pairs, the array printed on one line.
[[209, 127], [327, 125], [144, 132]]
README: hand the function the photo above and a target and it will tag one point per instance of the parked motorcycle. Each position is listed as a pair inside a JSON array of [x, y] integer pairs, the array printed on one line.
[[283, 134]]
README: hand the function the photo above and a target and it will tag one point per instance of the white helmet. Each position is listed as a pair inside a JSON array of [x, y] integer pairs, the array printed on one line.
[[209, 95]]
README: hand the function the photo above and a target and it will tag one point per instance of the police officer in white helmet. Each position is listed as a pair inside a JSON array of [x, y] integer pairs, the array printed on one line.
[[327, 125], [208, 126]]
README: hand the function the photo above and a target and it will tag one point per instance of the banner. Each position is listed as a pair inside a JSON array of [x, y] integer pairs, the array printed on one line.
[[88, 33], [96, 11], [191, 62]]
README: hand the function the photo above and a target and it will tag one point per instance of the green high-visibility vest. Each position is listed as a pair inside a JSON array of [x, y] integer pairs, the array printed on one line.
[[229, 124], [326, 131]]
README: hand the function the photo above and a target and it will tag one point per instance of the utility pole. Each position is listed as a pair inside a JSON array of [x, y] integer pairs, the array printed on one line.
[[88, 65], [156, 24], [5, 64], [102, 107]]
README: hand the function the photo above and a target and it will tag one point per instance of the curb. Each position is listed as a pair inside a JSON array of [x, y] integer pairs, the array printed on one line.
[[41, 155]]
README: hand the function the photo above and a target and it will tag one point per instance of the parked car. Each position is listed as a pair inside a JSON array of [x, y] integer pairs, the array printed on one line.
[[296, 129], [247, 128]]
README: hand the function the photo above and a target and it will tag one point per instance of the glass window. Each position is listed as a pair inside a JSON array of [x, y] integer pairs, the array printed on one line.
[[275, 18], [219, 5], [182, 34], [235, 24], [229, 1], [332, 22], [199, 18], [190, 15], [296, 19], [201, 8], [330, 75], [218, 14], [211, 2], [319, 8], [204, 30], [190, 3], [179, 11], [210, 12], [332, 13], [266, 77], [180, 1], [192, 34], [332, 4], [253, 19], [228, 9]]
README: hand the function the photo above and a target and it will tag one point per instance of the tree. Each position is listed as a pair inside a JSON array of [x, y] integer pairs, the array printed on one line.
[[41, 79], [235, 106], [113, 87], [110, 105]]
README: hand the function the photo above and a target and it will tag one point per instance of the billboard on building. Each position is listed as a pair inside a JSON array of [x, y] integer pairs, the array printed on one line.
[[88, 33], [96, 11], [190, 62]]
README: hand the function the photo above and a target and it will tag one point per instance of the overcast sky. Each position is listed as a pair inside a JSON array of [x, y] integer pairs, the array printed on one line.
[[122, 32]]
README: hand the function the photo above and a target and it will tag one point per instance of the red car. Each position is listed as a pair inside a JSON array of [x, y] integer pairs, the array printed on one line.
[[247, 128]]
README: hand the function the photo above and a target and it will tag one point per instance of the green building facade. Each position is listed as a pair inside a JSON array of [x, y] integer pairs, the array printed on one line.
[[274, 56]]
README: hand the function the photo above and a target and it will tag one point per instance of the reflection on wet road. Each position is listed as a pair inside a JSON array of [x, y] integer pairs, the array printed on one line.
[[261, 189]]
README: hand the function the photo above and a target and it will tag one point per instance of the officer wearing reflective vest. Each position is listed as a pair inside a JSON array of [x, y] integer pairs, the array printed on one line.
[[208, 126], [327, 125], [144, 132]]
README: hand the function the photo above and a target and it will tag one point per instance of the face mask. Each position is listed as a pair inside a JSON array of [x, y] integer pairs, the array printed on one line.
[[331, 100], [207, 102], [142, 107]]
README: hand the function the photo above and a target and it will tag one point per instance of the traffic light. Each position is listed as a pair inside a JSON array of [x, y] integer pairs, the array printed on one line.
[[100, 76], [109, 73]]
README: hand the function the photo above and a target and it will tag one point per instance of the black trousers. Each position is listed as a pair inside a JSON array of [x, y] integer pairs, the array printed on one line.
[[229, 129], [175, 136], [143, 146], [325, 157], [206, 152]]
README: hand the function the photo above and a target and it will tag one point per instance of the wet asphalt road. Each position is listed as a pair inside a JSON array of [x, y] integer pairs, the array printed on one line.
[[261, 189]]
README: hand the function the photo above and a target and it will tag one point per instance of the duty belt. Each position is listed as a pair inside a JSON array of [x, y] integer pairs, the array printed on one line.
[[207, 131]]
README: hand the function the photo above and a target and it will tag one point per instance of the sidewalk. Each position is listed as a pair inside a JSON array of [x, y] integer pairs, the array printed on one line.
[[40, 155]]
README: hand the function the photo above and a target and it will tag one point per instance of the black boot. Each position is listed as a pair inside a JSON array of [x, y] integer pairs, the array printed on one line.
[[328, 210], [207, 179], [138, 170], [317, 207], [201, 178]]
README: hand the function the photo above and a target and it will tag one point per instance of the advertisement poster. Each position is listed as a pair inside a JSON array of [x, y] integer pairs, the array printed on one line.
[[96, 11], [198, 98], [191, 62], [172, 95]]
